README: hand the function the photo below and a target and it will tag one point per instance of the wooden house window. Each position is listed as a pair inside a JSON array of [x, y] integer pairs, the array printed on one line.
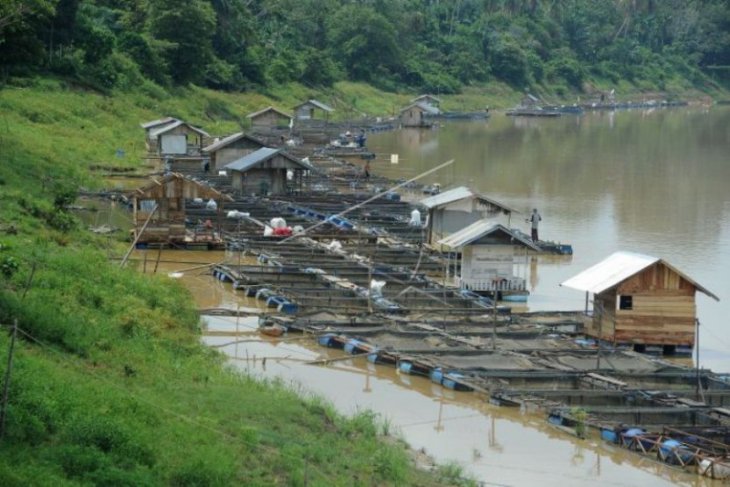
[[625, 302], [147, 205]]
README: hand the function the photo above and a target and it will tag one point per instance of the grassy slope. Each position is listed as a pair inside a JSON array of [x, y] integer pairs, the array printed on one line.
[[119, 391]]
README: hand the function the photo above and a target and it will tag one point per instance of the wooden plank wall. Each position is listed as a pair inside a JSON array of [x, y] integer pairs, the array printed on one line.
[[663, 309]]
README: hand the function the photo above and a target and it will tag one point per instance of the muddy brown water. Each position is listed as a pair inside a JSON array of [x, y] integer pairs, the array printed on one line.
[[648, 181], [499, 446]]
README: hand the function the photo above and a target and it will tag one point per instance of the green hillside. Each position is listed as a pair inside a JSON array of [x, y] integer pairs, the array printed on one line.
[[557, 46], [110, 383]]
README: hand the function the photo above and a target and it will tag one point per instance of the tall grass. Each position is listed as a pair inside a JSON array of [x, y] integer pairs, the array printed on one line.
[[110, 384]]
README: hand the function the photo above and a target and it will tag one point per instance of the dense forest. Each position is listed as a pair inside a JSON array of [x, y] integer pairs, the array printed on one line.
[[435, 45]]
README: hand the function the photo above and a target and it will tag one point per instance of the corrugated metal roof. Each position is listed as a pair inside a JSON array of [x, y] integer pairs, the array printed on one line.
[[229, 140], [431, 110], [265, 153], [317, 104], [618, 267], [155, 123], [447, 197], [426, 97], [480, 229], [174, 125], [460, 193], [261, 112]]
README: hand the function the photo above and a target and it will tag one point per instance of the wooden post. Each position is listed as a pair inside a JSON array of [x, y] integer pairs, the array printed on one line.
[[697, 365], [494, 320], [157, 262], [6, 381]]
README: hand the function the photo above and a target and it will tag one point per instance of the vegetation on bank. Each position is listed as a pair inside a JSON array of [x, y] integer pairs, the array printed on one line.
[[110, 384], [559, 46]]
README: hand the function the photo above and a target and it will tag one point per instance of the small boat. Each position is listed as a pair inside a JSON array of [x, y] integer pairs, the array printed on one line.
[[272, 330]]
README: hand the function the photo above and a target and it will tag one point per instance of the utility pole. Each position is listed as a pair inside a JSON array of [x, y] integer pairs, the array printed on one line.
[[6, 381]]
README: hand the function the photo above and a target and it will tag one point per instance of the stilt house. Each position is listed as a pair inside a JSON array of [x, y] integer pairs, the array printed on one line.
[[177, 138], [230, 149], [640, 300], [267, 172], [492, 257], [455, 209], [416, 115], [159, 208]]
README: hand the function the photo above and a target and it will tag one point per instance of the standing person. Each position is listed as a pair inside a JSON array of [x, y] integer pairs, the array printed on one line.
[[535, 219], [366, 170]]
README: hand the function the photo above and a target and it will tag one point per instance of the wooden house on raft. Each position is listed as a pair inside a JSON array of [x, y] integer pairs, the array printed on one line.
[[640, 300], [267, 171], [493, 257], [269, 120], [230, 149], [177, 139], [416, 115], [154, 125], [159, 210], [457, 208], [312, 112]]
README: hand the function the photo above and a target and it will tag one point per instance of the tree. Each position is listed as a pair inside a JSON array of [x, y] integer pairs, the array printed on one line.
[[366, 42], [189, 28]]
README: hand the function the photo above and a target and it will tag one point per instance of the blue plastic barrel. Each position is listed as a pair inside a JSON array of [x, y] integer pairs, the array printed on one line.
[[405, 367], [326, 339]]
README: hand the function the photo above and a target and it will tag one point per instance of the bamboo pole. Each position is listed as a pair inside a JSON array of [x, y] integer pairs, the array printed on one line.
[[137, 237]]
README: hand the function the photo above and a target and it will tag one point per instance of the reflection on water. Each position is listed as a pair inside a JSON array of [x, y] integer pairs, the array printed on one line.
[[651, 181], [501, 446]]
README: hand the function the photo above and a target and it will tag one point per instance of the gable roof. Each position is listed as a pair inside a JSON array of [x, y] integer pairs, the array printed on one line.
[[155, 123], [268, 109], [426, 97], [460, 193], [191, 188], [264, 154], [480, 229], [163, 130], [317, 104], [231, 139], [431, 110], [617, 268]]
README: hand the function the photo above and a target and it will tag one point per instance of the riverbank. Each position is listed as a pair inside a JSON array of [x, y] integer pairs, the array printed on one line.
[[110, 384], [117, 389]]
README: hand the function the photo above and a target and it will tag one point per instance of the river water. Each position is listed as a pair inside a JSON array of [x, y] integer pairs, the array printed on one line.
[[653, 182], [649, 181]]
